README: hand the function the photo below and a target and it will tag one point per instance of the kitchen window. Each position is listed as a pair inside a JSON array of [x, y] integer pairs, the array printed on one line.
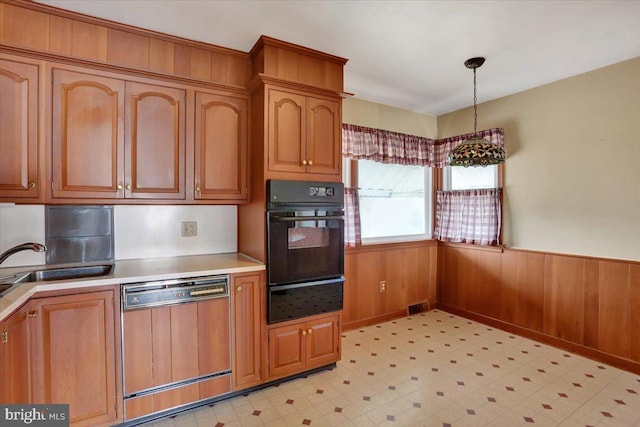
[[471, 178], [394, 200]]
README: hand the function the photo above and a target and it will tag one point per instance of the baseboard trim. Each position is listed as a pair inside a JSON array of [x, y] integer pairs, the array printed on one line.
[[373, 320], [600, 356]]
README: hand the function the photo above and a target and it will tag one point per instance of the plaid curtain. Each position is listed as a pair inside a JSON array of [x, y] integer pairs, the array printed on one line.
[[359, 142], [352, 217], [469, 216]]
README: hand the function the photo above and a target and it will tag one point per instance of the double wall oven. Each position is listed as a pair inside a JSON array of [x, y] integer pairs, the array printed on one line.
[[305, 248]]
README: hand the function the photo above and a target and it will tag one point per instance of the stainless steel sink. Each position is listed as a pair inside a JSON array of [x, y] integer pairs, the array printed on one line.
[[62, 273]]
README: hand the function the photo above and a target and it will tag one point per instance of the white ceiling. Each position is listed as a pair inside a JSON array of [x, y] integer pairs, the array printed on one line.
[[410, 54]]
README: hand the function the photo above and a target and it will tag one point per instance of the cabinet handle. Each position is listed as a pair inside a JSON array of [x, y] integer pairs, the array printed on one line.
[[32, 184], [304, 162], [239, 288], [304, 332], [32, 314], [198, 188], [310, 331], [119, 186], [310, 162], [128, 187]]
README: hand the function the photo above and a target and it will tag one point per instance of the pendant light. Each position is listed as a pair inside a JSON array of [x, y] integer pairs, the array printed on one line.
[[476, 151]]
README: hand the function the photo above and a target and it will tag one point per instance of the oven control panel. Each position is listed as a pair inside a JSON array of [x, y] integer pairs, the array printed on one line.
[[321, 191], [284, 193]]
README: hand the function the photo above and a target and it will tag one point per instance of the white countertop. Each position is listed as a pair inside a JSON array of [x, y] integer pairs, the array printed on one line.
[[131, 271]]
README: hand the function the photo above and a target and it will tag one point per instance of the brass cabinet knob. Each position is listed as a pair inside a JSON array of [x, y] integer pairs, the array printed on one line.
[[304, 332], [119, 186], [198, 188], [32, 184], [239, 288], [310, 162], [32, 314], [128, 187], [304, 162], [310, 331]]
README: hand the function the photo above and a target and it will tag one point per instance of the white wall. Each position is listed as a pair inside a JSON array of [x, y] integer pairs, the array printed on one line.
[[154, 231], [21, 224], [572, 175], [140, 231]]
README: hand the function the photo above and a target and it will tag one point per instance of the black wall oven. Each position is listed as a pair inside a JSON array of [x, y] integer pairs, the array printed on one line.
[[305, 248]]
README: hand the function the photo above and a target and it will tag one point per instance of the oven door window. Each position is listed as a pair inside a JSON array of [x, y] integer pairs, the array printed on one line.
[[305, 245]]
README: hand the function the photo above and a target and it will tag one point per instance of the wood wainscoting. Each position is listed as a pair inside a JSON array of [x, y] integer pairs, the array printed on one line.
[[587, 305], [409, 271]]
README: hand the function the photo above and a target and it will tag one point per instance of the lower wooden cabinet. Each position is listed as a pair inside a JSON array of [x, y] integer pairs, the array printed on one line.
[[15, 358], [62, 350], [300, 346], [247, 303]]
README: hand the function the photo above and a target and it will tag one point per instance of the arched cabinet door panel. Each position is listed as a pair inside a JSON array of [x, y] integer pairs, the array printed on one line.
[[19, 177], [154, 142], [221, 147], [88, 136], [286, 132], [323, 136]]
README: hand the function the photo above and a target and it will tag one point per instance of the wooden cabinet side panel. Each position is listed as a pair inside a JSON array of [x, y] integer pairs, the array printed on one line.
[[19, 135], [154, 141], [78, 354], [88, 135], [184, 333], [247, 311], [213, 336], [221, 147], [138, 350]]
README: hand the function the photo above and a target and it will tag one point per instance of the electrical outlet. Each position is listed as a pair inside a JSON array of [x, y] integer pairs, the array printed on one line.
[[383, 285], [189, 228]]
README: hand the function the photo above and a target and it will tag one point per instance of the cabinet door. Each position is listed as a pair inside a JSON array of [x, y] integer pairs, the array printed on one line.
[[324, 136], [154, 142], [221, 147], [73, 354], [286, 127], [247, 312], [15, 359], [88, 136], [19, 135], [286, 350], [323, 341]]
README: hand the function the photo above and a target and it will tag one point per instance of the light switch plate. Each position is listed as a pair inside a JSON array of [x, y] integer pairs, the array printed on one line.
[[189, 228]]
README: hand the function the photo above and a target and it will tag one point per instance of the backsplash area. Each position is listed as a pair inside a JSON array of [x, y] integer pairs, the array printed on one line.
[[140, 231]]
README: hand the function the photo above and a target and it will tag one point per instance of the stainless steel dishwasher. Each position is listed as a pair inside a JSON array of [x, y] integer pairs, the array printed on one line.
[[175, 344]]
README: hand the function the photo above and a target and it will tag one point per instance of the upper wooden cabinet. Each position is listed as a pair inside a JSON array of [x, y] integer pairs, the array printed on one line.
[[221, 147], [19, 174], [304, 133], [114, 139]]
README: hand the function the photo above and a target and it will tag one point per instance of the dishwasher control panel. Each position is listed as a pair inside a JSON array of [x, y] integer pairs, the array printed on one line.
[[168, 292]]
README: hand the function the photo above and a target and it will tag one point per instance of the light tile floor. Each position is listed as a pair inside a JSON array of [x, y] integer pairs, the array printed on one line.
[[436, 369]]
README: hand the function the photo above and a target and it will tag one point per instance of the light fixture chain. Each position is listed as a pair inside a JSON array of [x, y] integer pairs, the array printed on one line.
[[475, 100]]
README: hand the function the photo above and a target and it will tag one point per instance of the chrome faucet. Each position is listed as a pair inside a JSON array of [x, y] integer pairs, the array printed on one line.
[[36, 247]]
